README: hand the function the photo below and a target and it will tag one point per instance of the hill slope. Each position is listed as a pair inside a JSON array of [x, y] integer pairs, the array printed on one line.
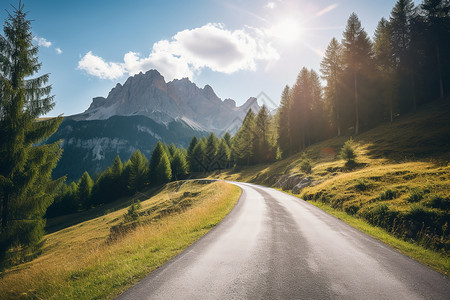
[[400, 182], [101, 257]]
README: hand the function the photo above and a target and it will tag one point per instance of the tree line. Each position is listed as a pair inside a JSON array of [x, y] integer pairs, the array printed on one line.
[[370, 81]]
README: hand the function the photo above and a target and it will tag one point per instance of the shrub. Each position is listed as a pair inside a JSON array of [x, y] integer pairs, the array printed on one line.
[[133, 212], [437, 201], [415, 195], [348, 152], [305, 166], [388, 195], [361, 185]]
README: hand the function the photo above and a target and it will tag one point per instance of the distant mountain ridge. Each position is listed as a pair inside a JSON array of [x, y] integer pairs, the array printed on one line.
[[149, 95], [138, 114]]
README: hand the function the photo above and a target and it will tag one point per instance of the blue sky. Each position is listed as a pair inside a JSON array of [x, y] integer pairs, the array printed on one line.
[[240, 48]]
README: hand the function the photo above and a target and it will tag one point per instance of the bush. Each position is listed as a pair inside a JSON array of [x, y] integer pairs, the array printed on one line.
[[415, 195], [305, 166], [348, 152], [133, 212], [437, 201], [388, 195], [361, 185]]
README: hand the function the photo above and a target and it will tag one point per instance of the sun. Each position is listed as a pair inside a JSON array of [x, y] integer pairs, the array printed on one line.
[[288, 30]]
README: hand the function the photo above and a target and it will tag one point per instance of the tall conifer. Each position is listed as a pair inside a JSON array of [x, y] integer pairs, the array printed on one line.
[[26, 186]]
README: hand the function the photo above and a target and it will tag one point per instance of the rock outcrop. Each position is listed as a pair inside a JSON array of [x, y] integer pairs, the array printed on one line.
[[296, 183]]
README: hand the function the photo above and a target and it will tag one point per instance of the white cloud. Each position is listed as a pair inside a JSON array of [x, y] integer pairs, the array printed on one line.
[[188, 52], [42, 42], [96, 66], [270, 5], [58, 50]]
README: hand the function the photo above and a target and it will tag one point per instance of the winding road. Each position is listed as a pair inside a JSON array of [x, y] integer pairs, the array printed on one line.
[[276, 246]]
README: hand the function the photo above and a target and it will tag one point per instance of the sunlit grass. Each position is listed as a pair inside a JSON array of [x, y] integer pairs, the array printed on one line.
[[400, 167], [80, 263]]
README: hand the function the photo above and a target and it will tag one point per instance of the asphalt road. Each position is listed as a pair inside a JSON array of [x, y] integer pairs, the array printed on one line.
[[275, 246]]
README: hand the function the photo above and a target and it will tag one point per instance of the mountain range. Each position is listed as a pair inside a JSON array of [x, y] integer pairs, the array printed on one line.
[[138, 114]]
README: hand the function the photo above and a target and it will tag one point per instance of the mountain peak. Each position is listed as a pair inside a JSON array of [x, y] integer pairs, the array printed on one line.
[[148, 94]]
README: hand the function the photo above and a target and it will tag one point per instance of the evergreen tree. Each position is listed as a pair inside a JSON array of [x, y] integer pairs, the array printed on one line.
[[284, 139], [400, 32], [138, 171], [192, 144], [299, 113], [332, 67], [117, 168], [172, 150], [223, 155], [212, 145], [357, 56], [154, 161], [227, 138], [197, 157], [179, 165], [385, 64], [85, 185], [243, 146], [318, 127], [163, 170], [437, 16], [26, 186], [262, 148]]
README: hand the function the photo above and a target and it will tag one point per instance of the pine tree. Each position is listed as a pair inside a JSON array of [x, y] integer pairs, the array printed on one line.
[[223, 155], [243, 142], [212, 145], [172, 150], [299, 113], [332, 67], [192, 144], [26, 186], [385, 64], [228, 139], [163, 170], [400, 31], [437, 16], [284, 139], [318, 124], [179, 165], [357, 56], [263, 150], [138, 171], [154, 161], [197, 157], [85, 185]]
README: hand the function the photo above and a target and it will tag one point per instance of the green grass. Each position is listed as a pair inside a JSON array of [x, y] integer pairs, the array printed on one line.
[[399, 182], [84, 262]]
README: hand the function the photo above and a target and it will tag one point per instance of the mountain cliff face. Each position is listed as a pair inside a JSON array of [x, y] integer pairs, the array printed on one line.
[[149, 95], [138, 114]]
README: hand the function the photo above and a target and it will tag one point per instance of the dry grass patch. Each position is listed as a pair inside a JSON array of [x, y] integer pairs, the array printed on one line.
[[81, 262]]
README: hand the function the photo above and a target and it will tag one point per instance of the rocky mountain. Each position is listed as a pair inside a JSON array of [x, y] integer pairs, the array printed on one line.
[[149, 95], [138, 114]]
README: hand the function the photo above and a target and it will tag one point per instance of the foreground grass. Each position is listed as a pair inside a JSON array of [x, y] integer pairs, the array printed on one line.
[[82, 262]]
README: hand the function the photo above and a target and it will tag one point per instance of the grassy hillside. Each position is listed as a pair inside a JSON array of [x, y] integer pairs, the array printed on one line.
[[102, 257], [400, 181]]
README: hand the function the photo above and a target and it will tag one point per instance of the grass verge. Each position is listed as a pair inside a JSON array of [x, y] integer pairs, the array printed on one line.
[[83, 262], [435, 260]]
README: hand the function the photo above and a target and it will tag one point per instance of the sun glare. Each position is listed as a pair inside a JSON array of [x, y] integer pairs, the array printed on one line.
[[287, 30]]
